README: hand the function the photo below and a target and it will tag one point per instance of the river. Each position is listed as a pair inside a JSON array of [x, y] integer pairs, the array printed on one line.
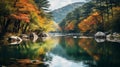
[[60, 52]]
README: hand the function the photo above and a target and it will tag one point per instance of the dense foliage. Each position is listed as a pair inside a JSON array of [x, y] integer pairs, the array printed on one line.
[[93, 16], [23, 16]]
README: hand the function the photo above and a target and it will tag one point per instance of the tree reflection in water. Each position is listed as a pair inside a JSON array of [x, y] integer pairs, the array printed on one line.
[[58, 51], [87, 50], [27, 53]]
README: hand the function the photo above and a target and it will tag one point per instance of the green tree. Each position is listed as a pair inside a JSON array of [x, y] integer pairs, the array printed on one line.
[[42, 4]]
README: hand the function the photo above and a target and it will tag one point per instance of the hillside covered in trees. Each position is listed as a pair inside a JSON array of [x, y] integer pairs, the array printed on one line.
[[60, 14], [93, 16], [24, 16]]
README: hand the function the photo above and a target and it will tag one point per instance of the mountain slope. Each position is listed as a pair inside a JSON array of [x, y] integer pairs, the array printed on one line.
[[90, 18], [60, 14], [73, 18]]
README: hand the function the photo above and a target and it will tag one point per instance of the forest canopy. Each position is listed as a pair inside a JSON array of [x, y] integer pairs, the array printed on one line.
[[23, 16], [93, 16]]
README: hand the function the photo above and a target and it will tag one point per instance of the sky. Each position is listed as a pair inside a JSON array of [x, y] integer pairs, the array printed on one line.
[[55, 4]]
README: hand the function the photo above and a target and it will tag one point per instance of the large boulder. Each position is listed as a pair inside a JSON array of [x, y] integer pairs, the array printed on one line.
[[100, 35], [14, 40]]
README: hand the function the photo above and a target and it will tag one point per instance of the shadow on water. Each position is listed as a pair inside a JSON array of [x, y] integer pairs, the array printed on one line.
[[61, 52]]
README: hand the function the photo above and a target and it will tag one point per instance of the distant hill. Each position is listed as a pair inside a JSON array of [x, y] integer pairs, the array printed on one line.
[[60, 14]]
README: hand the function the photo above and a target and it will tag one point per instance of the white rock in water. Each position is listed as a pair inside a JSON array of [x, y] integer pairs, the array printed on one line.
[[17, 39], [100, 34]]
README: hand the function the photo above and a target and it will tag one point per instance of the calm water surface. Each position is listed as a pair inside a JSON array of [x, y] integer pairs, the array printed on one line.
[[60, 52]]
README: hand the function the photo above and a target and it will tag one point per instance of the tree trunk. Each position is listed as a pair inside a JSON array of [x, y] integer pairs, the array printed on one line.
[[25, 28]]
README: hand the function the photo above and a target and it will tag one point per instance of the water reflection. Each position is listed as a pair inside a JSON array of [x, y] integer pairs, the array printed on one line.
[[63, 62], [61, 52], [86, 51], [27, 53]]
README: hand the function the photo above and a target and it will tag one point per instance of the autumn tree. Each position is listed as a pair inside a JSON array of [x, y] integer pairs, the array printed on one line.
[[92, 23], [21, 16]]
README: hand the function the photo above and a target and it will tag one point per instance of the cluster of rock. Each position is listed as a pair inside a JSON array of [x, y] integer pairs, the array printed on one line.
[[101, 37], [24, 37]]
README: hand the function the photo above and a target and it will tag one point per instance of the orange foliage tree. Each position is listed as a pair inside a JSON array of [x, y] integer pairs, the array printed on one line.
[[23, 11], [25, 16], [90, 22], [70, 26]]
